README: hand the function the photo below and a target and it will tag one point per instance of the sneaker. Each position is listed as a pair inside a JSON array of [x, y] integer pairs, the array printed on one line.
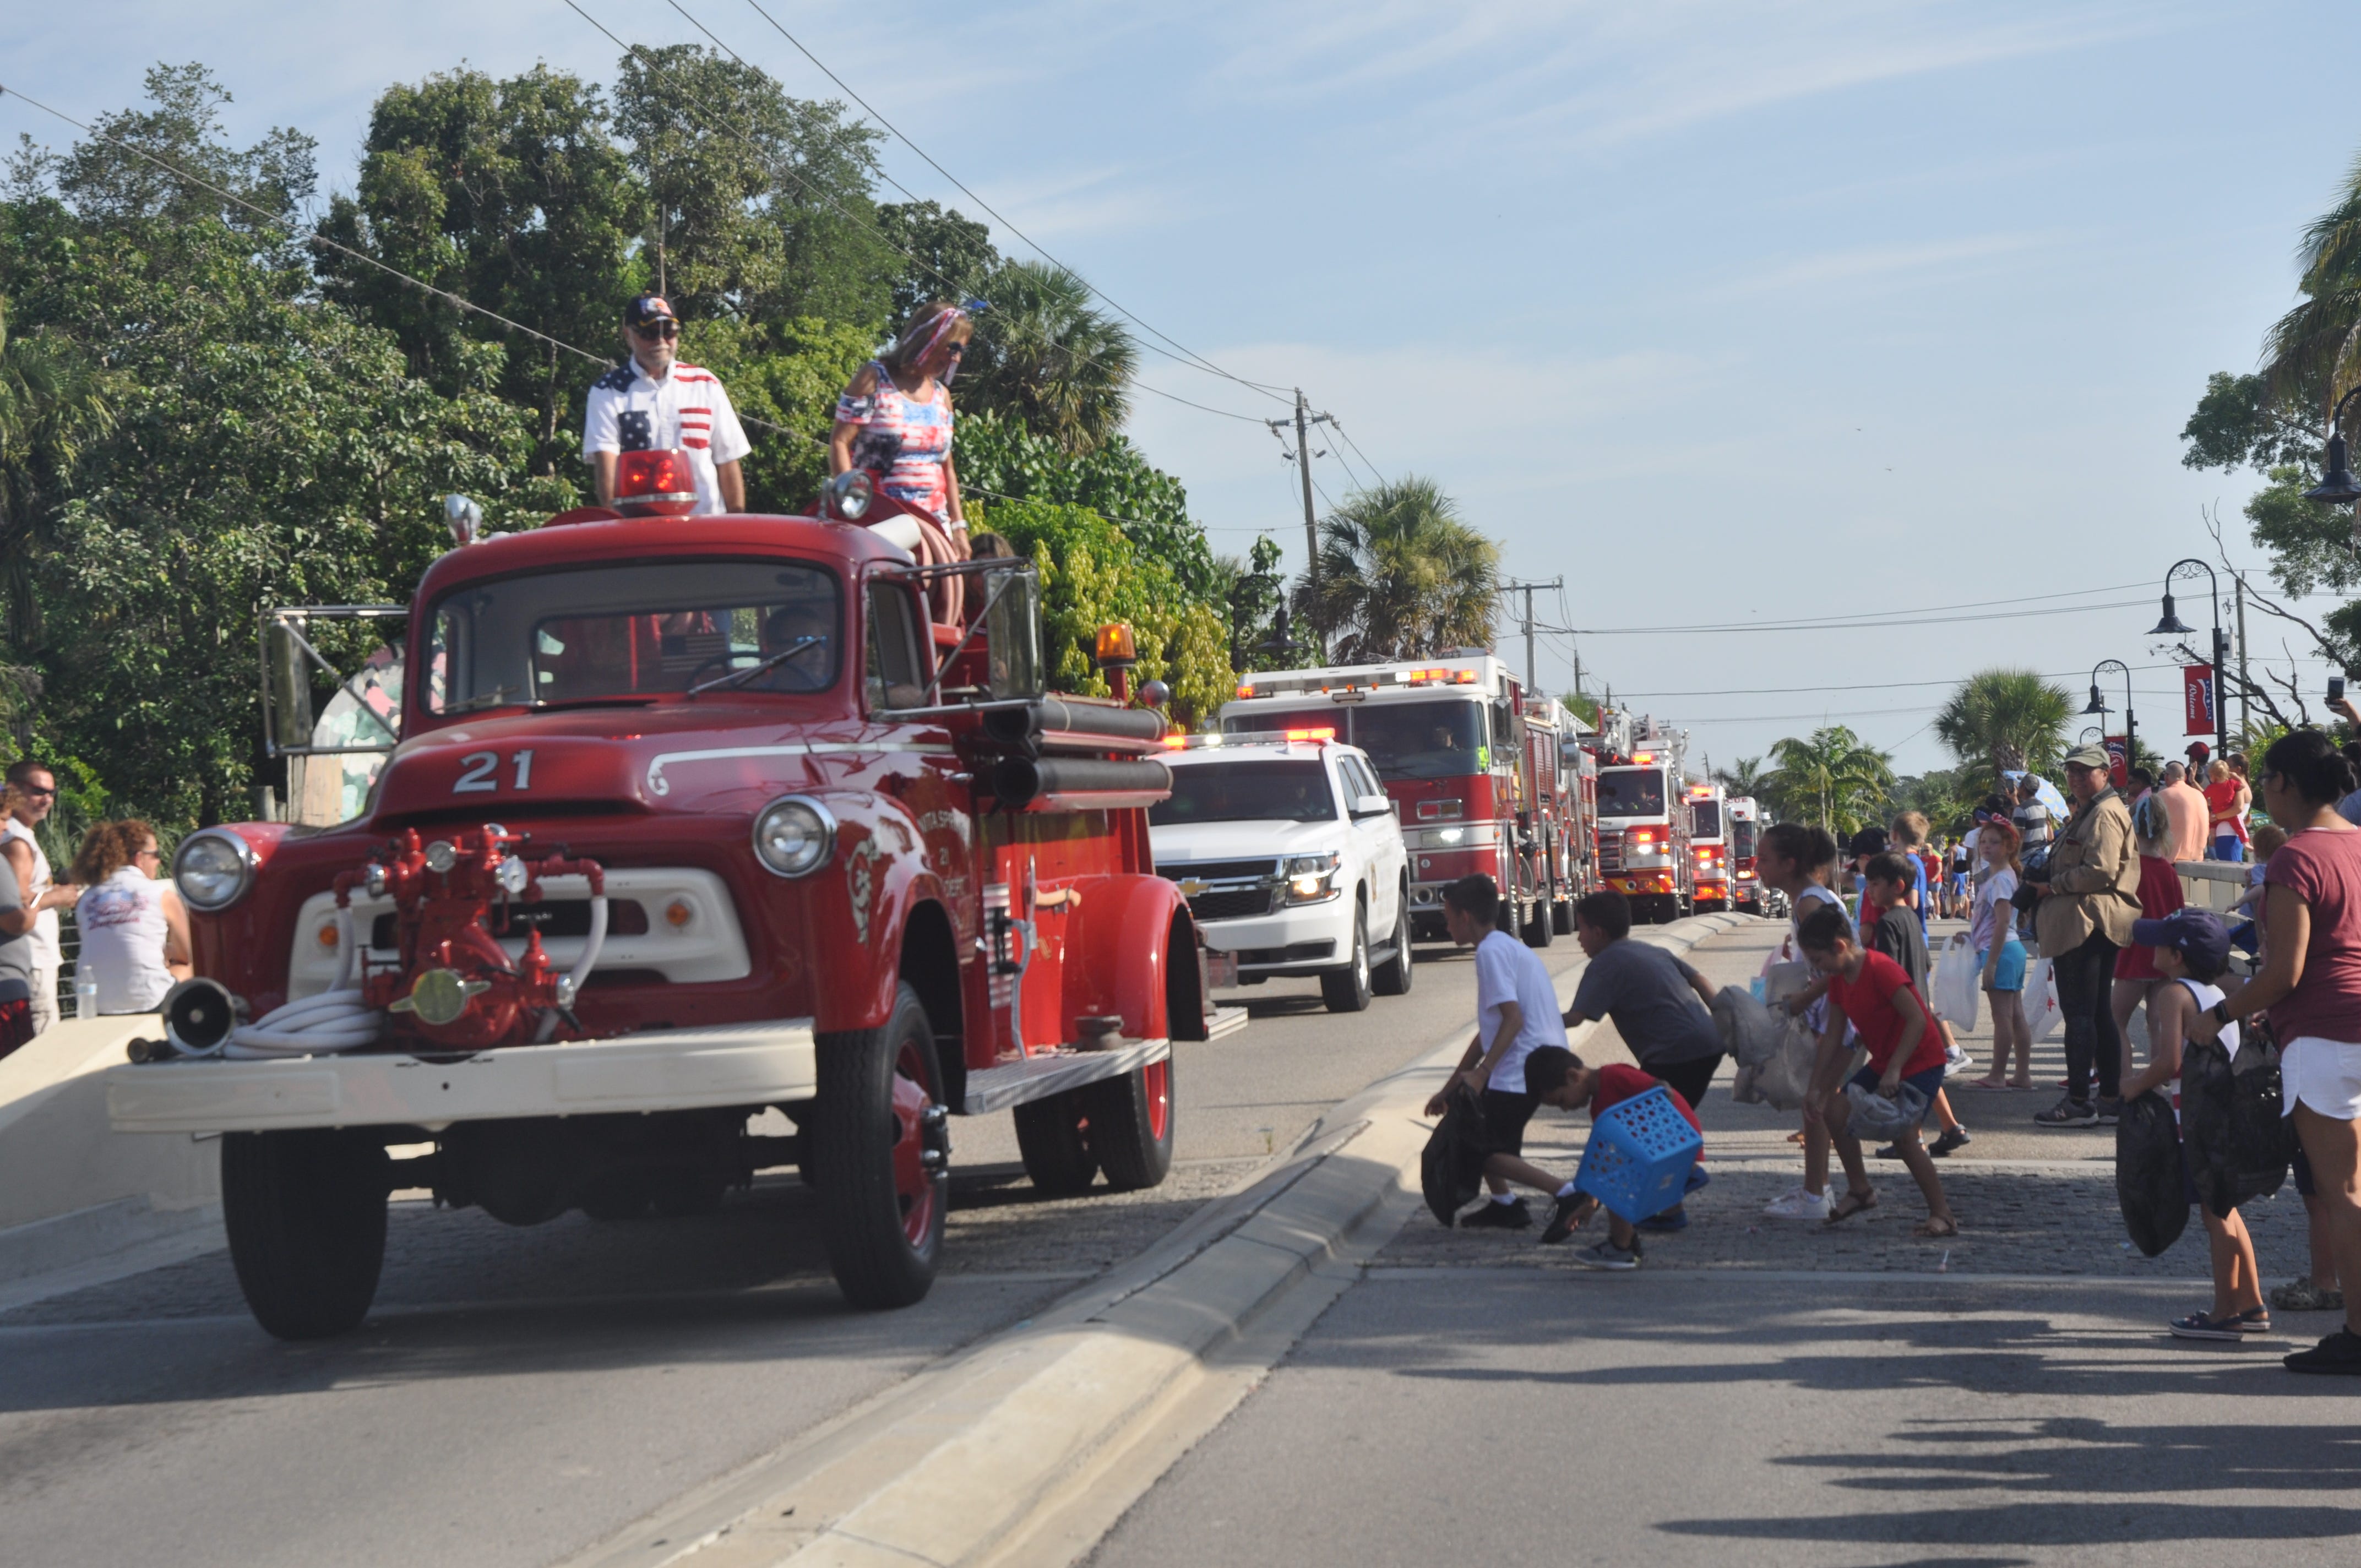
[[1664, 1225], [1798, 1204], [1606, 1255], [2111, 1110], [1952, 1138], [2340, 1353], [2069, 1114], [1562, 1219], [1510, 1216], [1891, 1151], [2197, 1325]]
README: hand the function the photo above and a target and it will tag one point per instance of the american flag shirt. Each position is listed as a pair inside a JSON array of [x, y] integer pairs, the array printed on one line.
[[630, 411]]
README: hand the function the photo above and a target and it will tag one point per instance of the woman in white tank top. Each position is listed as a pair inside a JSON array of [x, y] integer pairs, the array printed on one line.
[[134, 932]]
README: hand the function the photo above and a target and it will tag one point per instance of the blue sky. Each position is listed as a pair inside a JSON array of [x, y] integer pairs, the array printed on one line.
[[1725, 312]]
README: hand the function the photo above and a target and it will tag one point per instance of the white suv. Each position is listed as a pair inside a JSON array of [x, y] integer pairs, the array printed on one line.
[[1291, 860]]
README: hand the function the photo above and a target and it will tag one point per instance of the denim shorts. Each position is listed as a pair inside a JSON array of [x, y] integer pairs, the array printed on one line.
[[2008, 974], [1928, 1083]]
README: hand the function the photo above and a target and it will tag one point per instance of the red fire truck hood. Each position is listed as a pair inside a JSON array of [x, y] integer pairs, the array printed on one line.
[[706, 756]]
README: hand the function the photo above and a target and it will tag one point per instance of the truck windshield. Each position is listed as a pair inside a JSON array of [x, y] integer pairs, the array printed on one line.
[[1705, 818], [633, 629], [1630, 791], [1405, 739], [1742, 838], [1259, 791]]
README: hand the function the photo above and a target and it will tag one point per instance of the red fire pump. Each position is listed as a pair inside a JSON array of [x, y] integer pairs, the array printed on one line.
[[454, 986]]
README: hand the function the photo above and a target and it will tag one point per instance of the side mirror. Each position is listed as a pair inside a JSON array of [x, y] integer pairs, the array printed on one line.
[[1373, 806], [1013, 634], [465, 519], [286, 685]]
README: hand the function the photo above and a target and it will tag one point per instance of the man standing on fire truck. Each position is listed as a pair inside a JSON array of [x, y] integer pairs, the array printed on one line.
[[651, 403]]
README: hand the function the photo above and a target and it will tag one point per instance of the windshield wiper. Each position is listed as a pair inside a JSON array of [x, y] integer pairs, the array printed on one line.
[[618, 699], [739, 677], [492, 698]]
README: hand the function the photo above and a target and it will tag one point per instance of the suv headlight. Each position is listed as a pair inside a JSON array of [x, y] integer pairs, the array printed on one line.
[[1313, 878], [213, 868], [794, 837]]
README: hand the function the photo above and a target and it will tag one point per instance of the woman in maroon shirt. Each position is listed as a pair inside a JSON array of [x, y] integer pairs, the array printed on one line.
[[2311, 982]]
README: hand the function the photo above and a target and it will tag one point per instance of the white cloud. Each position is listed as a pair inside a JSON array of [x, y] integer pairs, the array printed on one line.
[[1863, 263]]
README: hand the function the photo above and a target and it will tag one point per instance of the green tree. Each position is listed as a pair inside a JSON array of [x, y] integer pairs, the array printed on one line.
[[510, 194], [2000, 721], [1000, 455], [1746, 776], [1047, 358], [53, 402], [1831, 778], [108, 181], [1402, 576], [942, 254]]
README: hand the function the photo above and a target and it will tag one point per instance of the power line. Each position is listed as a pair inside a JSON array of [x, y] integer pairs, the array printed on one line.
[[1185, 355], [1913, 619], [1826, 621], [775, 171], [1873, 685]]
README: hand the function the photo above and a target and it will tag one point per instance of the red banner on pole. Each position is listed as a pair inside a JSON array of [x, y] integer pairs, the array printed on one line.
[[2119, 761], [2197, 699]]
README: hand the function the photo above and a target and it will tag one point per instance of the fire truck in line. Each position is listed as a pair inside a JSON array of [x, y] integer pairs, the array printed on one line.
[[1745, 825], [1448, 738], [1643, 820], [1709, 845], [1561, 782], [681, 822]]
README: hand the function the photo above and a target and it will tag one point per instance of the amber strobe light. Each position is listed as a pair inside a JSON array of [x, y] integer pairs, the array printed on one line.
[[655, 483], [1116, 649]]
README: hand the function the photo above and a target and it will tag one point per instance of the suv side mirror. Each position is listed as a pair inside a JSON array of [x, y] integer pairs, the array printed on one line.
[[1373, 806]]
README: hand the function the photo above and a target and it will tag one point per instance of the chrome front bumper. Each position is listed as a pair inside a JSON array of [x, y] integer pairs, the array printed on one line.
[[667, 1069]]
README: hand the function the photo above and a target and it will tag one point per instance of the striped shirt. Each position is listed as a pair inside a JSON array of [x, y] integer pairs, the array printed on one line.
[[902, 440], [630, 411]]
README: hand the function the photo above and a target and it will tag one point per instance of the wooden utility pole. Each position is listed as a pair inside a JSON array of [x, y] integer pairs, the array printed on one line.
[[1305, 419], [1527, 589]]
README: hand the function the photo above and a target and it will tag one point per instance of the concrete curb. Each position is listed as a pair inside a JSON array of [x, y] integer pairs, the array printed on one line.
[[1025, 1448]]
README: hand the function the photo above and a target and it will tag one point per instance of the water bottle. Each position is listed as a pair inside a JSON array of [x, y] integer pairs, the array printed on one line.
[[85, 992]]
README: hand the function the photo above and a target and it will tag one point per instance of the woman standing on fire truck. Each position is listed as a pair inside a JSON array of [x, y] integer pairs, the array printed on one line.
[[895, 419]]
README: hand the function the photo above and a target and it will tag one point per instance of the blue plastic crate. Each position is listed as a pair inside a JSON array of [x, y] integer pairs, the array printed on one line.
[[1639, 1157]]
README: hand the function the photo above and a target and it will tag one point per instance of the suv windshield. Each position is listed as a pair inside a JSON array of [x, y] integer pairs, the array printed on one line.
[[1259, 791], [1404, 739], [1630, 791], [633, 629]]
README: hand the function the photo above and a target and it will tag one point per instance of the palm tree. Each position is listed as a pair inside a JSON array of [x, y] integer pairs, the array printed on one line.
[[1746, 777], [1831, 778], [2003, 720], [2311, 352], [1047, 359], [1400, 576], [51, 404]]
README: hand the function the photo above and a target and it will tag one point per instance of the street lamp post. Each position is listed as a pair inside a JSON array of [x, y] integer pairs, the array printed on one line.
[[2099, 706], [2169, 625]]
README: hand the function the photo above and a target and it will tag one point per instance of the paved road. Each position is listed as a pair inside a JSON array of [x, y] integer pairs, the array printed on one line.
[[519, 1394], [1780, 1394]]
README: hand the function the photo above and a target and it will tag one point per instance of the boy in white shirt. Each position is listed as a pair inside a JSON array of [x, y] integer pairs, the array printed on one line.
[[1516, 1009]]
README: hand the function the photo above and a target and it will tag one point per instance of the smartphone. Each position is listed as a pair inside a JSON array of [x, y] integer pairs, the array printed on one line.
[[2337, 688]]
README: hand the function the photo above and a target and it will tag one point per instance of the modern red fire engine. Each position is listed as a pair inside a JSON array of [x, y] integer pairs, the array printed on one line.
[[1643, 820]]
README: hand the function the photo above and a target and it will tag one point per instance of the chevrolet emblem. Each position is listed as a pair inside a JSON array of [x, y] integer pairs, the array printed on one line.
[[1191, 888]]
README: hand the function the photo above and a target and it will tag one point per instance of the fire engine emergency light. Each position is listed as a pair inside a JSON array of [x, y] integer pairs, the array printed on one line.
[[1115, 650], [655, 483]]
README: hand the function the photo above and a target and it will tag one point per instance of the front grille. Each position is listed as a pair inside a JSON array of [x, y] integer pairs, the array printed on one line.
[[1217, 871], [1230, 904], [553, 917]]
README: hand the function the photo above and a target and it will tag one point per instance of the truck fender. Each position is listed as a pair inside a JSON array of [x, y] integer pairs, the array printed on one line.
[[880, 874], [1128, 930]]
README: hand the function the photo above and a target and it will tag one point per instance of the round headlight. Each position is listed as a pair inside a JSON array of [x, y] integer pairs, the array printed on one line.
[[213, 868], [794, 837]]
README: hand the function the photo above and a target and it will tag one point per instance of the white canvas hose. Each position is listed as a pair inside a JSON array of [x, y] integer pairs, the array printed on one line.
[[336, 1019]]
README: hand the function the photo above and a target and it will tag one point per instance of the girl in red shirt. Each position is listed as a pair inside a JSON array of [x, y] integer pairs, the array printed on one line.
[[1899, 1030]]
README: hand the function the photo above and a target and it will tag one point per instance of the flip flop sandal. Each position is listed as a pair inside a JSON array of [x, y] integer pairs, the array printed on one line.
[[1849, 1205], [1987, 1083], [1933, 1230]]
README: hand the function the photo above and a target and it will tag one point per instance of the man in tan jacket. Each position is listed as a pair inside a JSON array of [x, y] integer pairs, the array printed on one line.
[[2090, 896]]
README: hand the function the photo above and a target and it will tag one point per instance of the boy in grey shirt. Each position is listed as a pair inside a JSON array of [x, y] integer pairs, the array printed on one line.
[[1657, 1001]]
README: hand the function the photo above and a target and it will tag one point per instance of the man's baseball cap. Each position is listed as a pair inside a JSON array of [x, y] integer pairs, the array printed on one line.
[[649, 308], [2090, 757], [2198, 748], [1869, 840], [2197, 935]]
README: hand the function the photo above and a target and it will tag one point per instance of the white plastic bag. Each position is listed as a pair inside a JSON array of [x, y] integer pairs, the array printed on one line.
[[1956, 975], [1784, 1076], [2040, 998], [1750, 1031]]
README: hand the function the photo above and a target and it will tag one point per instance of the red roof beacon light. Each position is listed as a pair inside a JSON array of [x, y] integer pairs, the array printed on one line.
[[655, 483]]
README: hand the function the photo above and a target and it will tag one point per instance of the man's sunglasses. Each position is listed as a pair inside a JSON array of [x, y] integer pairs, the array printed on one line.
[[38, 790], [658, 330]]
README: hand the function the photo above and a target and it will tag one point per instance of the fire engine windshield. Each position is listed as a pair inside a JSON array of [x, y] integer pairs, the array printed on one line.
[[1704, 816], [634, 628], [1742, 838], [1630, 791], [1405, 739], [1264, 790]]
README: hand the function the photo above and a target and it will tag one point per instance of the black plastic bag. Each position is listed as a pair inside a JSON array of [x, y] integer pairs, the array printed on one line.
[[2148, 1173], [2239, 1143], [1451, 1169]]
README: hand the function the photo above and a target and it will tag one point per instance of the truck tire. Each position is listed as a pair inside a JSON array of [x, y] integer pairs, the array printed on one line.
[[305, 1212], [1561, 914], [1540, 931], [1131, 1126], [1346, 990], [1392, 977], [1054, 1144], [876, 1120]]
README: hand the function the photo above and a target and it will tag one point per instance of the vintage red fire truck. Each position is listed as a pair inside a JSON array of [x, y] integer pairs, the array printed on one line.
[[1644, 821], [689, 817], [1448, 739], [1709, 849]]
